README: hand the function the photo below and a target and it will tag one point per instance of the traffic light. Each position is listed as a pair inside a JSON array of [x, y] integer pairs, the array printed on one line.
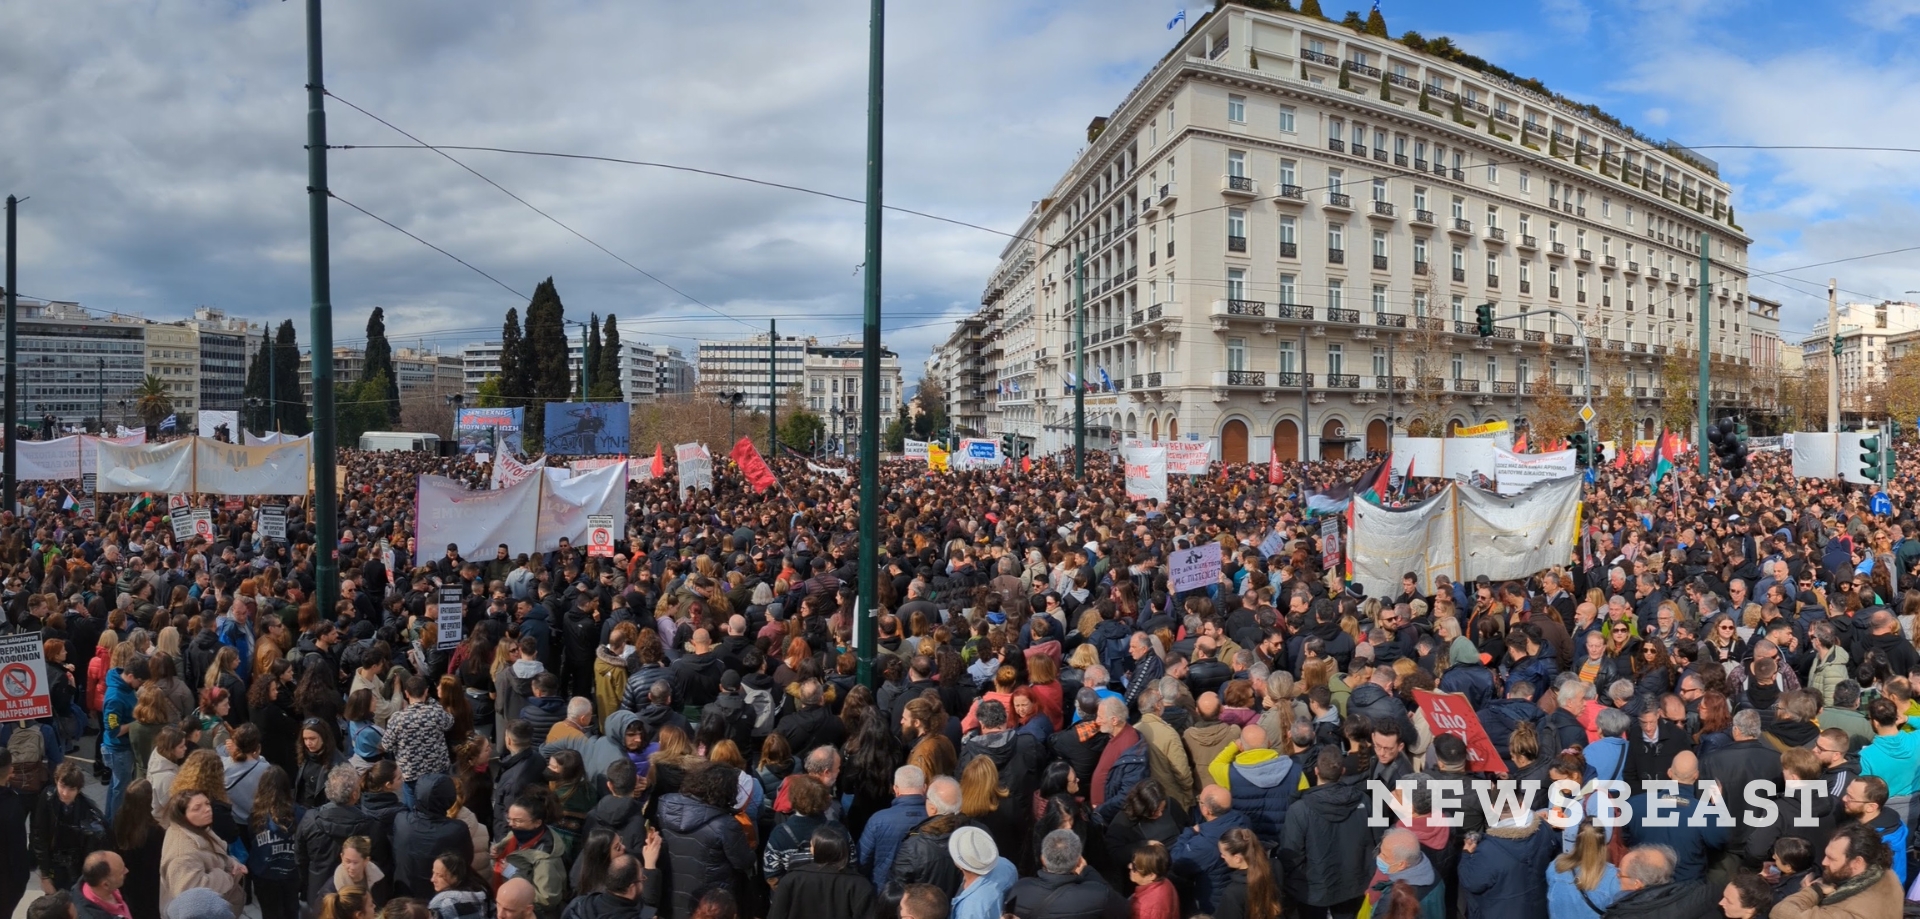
[[1870, 458], [1836, 346], [1582, 448], [1483, 317]]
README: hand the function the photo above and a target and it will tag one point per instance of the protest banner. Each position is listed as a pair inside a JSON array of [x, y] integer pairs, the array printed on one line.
[[600, 535], [1449, 713], [24, 691], [1188, 569], [273, 521], [449, 622], [1146, 473], [1516, 472]]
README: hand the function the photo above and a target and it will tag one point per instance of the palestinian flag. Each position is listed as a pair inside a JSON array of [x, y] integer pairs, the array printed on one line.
[[69, 504], [1334, 499], [145, 501], [1668, 450]]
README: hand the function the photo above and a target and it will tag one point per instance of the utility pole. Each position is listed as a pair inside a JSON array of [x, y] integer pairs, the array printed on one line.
[[870, 353], [773, 389], [586, 365], [1832, 352], [1700, 397], [273, 384], [13, 373], [1080, 365], [326, 543], [100, 396]]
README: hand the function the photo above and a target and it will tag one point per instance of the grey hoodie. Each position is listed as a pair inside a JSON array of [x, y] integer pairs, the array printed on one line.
[[512, 688]]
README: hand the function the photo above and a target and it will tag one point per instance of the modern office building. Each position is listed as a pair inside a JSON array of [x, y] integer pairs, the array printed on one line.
[[74, 365], [227, 344], [638, 381], [675, 376], [1286, 227], [826, 376]]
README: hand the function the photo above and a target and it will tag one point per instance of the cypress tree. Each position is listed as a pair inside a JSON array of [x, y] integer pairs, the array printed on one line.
[[1311, 8], [379, 364], [545, 347], [590, 360], [606, 374], [292, 415], [1376, 23], [513, 374]]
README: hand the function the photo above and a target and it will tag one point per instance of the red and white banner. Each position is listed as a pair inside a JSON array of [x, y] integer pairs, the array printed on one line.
[[1146, 473], [1449, 713]]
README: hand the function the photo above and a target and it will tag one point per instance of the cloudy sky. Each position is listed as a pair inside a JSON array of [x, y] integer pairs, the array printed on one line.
[[161, 143]]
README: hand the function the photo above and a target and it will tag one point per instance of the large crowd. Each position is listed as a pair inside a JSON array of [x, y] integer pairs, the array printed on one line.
[[682, 729]]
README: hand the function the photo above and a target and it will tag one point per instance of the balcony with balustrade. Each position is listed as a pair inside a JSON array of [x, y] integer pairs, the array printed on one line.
[[1239, 186]]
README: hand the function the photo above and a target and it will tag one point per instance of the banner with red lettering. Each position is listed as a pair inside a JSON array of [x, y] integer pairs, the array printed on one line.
[[1449, 713], [1146, 474], [758, 473]]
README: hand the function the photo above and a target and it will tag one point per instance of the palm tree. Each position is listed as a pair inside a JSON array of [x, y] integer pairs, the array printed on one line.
[[154, 404]]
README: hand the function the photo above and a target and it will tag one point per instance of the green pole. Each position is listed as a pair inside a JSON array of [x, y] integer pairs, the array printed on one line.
[[1080, 365], [586, 365], [1700, 436], [772, 390], [864, 638], [13, 372], [326, 577], [273, 387]]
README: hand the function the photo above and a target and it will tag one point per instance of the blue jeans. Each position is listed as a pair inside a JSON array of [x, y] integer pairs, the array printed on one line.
[[120, 763]]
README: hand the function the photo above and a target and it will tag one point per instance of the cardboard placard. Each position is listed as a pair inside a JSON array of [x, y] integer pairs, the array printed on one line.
[[273, 521], [1449, 713], [1197, 567], [449, 620], [600, 535], [24, 691]]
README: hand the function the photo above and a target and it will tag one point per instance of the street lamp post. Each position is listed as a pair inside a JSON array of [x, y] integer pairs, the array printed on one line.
[[454, 401], [100, 395]]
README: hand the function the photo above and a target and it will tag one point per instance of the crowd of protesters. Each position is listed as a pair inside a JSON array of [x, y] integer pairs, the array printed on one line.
[[682, 729]]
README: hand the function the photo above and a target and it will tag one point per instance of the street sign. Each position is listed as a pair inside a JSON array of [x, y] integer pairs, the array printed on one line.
[[24, 693], [600, 535], [1881, 505], [273, 521], [1586, 413]]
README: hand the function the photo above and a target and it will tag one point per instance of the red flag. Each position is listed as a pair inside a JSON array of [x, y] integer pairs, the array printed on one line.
[[1620, 456], [1026, 464], [758, 474], [1669, 445], [1520, 446], [659, 461], [1273, 469]]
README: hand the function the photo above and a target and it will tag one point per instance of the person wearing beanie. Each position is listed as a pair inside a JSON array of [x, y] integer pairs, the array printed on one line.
[[199, 903], [985, 877], [1465, 673]]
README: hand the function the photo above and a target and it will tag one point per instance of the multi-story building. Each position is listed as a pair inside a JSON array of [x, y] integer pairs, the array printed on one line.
[[638, 379], [1761, 380], [1286, 227], [227, 343], [73, 365], [1014, 346], [173, 358], [674, 374], [740, 366], [1868, 336], [831, 378], [964, 373]]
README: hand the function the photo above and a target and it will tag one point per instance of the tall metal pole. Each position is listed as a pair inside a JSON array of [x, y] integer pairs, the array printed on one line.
[[1080, 365], [773, 389], [586, 365], [1833, 353], [13, 373], [326, 564], [1700, 397], [273, 384], [864, 640], [1305, 407], [100, 394]]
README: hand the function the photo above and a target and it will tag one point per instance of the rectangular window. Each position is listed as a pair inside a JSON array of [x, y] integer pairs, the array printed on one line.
[[1288, 359], [1336, 359], [1526, 181], [1459, 365], [1287, 170], [1419, 198], [1335, 178], [1459, 258], [1237, 222], [1379, 189], [1236, 354], [1459, 208], [1420, 303], [1420, 249], [1493, 217], [1286, 288], [1236, 163], [1459, 315], [1286, 119], [1288, 227], [1237, 109], [1606, 207], [1379, 362], [1493, 174], [1380, 243], [1379, 298], [1336, 236], [1493, 369], [1334, 294]]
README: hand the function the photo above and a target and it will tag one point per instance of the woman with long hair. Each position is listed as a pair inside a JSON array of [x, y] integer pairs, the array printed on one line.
[[871, 756], [457, 894], [985, 799], [138, 839], [567, 778], [270, 708], [151, 712], [776, 763], [1144, 817], [603, 845], [1251, 892], [316, 694], [224, 674], [203, 771], [364, 740], [271, 859], [1580, 883], [935, 756], [1652, 668], [1059, 812], [192, 856], [1716, 723], [319, 752], [352, 903]]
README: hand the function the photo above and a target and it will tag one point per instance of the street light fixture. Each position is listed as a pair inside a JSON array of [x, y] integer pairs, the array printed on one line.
[[454, 401]]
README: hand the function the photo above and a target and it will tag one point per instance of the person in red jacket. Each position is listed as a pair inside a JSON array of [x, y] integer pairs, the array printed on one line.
[[1153, 894], [97, 670]]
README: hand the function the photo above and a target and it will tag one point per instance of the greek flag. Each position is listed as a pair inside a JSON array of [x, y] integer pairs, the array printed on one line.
[[170, 423], [1105, 380], [1177, 19]]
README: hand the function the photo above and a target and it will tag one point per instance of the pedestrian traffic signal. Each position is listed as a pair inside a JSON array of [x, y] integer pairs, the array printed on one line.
[[1483, 317], [1582, 448]]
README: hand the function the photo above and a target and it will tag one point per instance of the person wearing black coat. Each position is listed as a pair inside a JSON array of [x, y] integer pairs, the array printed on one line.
[[705, 846], [1736, 767], [1065, 888], [1504, 873], [825, 886], [1016, 754], [325, 829], [422, 834], [279, 730], [1665, 900], [65, 829], [15, 860], [380, 800], [582, 627], [619, 810], [1649, 758], [813, 725], [521, 766], [923, 857], [1325, 844]]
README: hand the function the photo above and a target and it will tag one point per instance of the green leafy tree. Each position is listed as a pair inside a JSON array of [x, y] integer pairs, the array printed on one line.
[[487, 394], [1311, 8], [1353, 21], [801, 430], [894, 438], [359, 408], [932, 416], [607, 373], [379, 363], [291, 415], [1376, 24]]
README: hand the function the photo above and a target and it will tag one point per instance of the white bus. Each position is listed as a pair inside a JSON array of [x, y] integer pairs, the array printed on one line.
[[391, 441]]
